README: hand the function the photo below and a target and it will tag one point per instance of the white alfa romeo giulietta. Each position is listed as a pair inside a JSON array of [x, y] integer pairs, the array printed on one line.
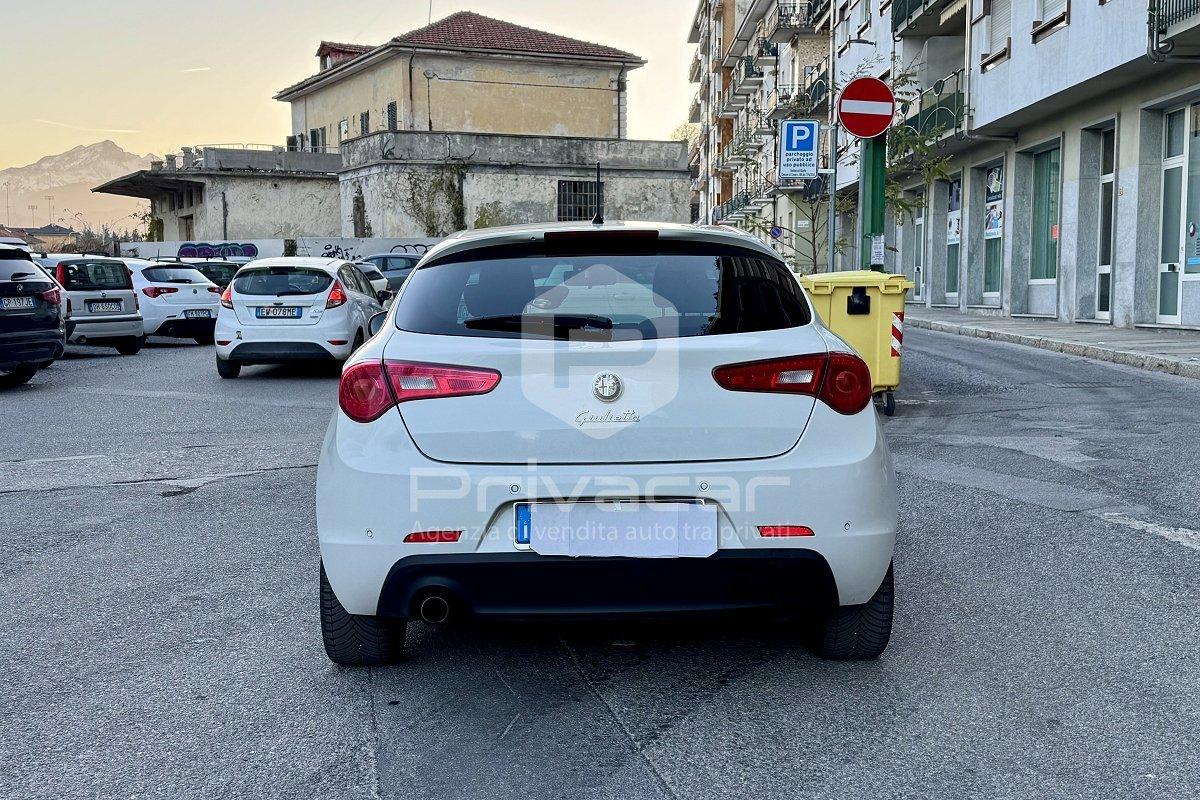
[[582, 420]]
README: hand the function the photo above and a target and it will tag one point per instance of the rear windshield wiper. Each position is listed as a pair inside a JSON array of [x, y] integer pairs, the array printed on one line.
[[534, 322], [292, 293]]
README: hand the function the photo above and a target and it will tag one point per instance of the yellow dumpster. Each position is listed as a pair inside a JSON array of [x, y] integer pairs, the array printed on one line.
[[867, 310]]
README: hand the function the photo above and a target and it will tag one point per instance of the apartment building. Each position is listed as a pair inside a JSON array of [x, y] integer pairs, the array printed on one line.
[[1072, 138], [757, 62]]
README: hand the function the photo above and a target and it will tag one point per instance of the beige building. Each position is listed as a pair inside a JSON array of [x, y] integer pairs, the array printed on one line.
[[465, 73]]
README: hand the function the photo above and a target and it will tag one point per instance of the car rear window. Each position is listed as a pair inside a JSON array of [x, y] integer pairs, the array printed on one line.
[[218, 273], [657, 295], [397, 264], [173, 275], [282, 281], [89, 276], [18, 270]]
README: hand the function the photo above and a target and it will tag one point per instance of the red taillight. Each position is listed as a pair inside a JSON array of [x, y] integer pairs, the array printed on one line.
[[60, 274], [412, 380], [158, 291], [370, 388], [215, 289], [847, 385], [784, 530], [432, 537], [337, 296], [840, 380], [364, 394], [52, 296], [227, 296]]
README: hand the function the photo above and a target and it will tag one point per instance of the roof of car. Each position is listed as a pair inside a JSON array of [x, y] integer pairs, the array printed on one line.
[[515, 234], [328, 264]]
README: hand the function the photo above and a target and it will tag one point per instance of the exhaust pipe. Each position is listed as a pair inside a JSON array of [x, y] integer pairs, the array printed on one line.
[[434, 609]]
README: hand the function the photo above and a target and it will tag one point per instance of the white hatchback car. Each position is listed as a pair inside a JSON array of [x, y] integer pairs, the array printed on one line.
[[293, 309], [576, 420], [177, 300]]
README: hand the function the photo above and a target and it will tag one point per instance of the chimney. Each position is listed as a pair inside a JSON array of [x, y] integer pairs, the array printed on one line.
[[171, 164], [187, 157], [156, 166]]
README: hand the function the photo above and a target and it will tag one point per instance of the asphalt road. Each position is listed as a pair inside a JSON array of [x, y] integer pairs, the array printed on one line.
[[158, 568]]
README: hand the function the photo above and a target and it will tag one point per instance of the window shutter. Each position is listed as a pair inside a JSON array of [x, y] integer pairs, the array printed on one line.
[[999, 25], [1052, 8]]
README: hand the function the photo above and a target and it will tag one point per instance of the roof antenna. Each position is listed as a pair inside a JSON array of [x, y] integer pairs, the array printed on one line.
[[599, 218]]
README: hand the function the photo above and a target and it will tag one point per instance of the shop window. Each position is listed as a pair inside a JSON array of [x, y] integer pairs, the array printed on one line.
[[993, 229], [1044, 261]]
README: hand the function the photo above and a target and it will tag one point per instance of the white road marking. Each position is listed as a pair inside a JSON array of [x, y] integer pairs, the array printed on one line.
[[1183, 536]]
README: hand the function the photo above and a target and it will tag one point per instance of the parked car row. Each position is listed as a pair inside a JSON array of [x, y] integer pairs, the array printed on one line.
[[267, 311]]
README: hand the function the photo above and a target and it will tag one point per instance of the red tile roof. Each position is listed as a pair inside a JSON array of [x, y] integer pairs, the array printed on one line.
[[467, 30], [471, 32], [342, 47]]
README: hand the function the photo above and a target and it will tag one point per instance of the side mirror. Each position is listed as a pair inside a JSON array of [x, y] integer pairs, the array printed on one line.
[[375, 323], [383, 295]]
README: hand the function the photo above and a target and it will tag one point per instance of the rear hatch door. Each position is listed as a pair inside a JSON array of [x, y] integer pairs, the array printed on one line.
[[575, 390], [280, 295], [22, 307], [97, 288]]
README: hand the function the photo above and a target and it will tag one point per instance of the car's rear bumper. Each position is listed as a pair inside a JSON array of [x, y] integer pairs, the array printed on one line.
[[277, 352], [374, 487], [30, 347], [100, 329], [516, 585]]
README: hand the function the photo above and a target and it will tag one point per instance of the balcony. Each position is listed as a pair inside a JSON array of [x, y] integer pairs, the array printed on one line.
[[939, 110], [1173, 23], [765, 52], [695, 69], [809, 99], [747, 78], [731, 103], [694, 109], [926, 18], [790, 20]]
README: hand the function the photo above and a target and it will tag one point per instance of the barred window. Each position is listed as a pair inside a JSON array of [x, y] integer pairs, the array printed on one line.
[[577, 200]]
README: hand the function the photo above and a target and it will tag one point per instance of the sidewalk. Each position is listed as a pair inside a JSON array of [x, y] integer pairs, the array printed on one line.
[[1174, 352]]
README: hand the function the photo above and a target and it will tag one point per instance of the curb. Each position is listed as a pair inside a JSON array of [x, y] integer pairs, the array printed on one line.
[[1128, 358]]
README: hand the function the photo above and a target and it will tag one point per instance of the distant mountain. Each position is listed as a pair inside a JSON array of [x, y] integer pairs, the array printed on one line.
[[69, 178]]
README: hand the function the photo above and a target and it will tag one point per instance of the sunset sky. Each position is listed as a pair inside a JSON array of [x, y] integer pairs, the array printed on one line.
[[153, 76]]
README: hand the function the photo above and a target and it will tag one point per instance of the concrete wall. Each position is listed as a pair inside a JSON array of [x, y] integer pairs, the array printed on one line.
[[469, 93], [256, 207], [389, 180]]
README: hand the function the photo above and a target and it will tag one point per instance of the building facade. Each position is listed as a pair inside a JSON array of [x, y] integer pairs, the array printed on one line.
[[1070, 187], [465, 73], [758, 62]]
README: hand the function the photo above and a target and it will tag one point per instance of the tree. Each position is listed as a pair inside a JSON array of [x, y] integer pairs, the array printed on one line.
[[687, 132]]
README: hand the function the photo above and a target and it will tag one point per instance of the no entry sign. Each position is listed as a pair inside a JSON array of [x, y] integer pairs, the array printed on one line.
[[866, 107]]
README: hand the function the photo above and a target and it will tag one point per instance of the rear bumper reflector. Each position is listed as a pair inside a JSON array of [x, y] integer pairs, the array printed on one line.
[[784, 530], [432, 537]]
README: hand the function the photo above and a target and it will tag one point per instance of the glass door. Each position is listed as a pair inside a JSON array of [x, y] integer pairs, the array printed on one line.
[[953, 238], [1108, 170], [1172, 229], [1044, 264]]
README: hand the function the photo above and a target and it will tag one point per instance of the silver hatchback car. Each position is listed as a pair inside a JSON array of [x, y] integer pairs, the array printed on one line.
[[102, 302]]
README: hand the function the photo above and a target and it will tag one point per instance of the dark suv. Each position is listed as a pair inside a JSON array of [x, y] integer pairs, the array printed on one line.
[[32, 329]]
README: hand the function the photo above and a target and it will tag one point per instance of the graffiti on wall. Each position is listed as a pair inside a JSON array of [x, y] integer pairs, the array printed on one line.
[[350, 253], [222, 250]]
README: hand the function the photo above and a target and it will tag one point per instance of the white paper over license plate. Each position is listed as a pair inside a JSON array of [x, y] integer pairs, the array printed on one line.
[[640, 530]]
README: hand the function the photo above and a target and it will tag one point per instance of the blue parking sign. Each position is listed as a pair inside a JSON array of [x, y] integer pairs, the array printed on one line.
[[798, 142]]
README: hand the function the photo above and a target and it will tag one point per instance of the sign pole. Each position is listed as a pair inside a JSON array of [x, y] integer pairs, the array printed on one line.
[[871, 191], [866, 109]]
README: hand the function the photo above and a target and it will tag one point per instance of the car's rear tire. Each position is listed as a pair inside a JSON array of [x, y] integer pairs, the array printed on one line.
[[228, 369], [130, 345], [204, 338], [17, 375], [355, 640], [859, 632]]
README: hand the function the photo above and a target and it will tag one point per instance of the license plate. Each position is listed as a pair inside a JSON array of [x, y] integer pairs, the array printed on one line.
[[16, 303], [101, 307], [635, 529], [201, 313], [278, 312]]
